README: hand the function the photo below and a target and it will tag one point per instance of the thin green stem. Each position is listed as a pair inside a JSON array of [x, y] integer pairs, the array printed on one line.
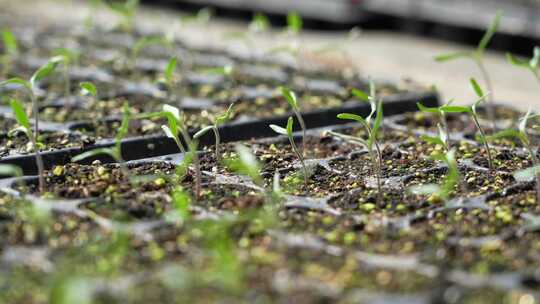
[[34, 139], [303, 126], [301, 158], [218, 141], [484, 140]]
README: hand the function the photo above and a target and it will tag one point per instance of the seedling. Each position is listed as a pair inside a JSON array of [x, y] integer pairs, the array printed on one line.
[[115, 152], [88, 89], [221, 119], [471, 110], [372, 130], [11, 50], [521, 134], [441, 139], [69, 58], [246, 164], [444, 190], [531, 64], [444, 132], [477, 56], [175, 126], [126, 11], [291, 99], [31, 86], [294, 23], [288, 131], [168, 76]]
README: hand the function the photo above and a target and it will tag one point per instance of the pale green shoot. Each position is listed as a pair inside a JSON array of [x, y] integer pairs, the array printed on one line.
[[288, 131], [220, 120], [531, 64], [477, 56], [471, 110], [443, 123], [292, 100], [444, 190], [30, 86]]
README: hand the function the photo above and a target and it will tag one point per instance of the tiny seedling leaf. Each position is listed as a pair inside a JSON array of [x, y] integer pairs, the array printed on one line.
[[432, 140], [294, 22], [94, 153], [360, 94], [455, 109], [174, 111], [17, 81], [168, 132], [489, 33], [221, 119], [290, 97], [477, 89], [451, 56], [278, 129], [425, 109], [203, 131], [523, 122], [45, 70], [516, 61], [169, 70], [290, 122], [20, 114], [354, 117], [10, 42], [88, 88]]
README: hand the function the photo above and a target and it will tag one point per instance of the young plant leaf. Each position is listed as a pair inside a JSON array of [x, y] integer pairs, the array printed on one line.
[[354, 117], [45, 70], [93, 153], [432, 140], [17, 81], [451, 56], [20, 115], [294, 22], [363, 96], [10, 42], [278, 129], [88, 88], [260, 23], [513, 60], [425, 109], [290, 97], [203, 131], [221, 119], [477, 89], [455, 109], [489, 33], [289, 130], [169, 70]]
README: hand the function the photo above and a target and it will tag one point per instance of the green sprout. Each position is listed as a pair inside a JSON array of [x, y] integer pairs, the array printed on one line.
[[294, 23], [115, 152], [292, 100], [31, 86], [441, 139], [11, 50], [126, 10], [221, 119], [175, 126], [372, 129], [260, 23], [531, 64], [477, 56], [246, 164], [168, 76], [471, 110], [88, 89], [444, 131], [521, 134], [444, 190], [69, 58], [288, 131]]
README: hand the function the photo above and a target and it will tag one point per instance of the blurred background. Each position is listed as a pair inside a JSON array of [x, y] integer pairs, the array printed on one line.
[[462, 21]]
